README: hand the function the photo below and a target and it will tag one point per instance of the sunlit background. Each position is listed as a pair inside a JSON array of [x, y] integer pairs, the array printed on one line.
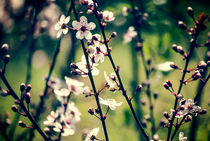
[[159, 32]]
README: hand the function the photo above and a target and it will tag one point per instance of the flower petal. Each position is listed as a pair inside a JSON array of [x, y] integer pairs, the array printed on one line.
[[57, 26], [91, 26], [88, 35], [80, 35], [67, 20], [83, 20], [59, 33], [62, 19], [76, 25], [65, 31]]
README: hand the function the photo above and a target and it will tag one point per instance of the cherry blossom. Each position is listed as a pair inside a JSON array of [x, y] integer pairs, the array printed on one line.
[[97, 50], [51, 118], [130, 34], [74, 86], [181, 137], [61, 25], [111, 85], [86, 91], [61, 93], [83, 69], [108, 16], [66, 130], [179, 114], [111, 103], [190, 107], [91, 136], [125, 11], [83, 28]]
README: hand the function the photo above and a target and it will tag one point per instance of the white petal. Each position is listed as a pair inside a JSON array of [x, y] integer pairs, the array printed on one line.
[[91, 26], [67, 20], [65, 31], [62, 19], [57, 26], [83, 21], [76, 25], [88, 35], [59, 33], [80, 35]]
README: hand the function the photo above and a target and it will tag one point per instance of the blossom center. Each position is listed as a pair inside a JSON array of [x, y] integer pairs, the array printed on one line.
[[83, 28]]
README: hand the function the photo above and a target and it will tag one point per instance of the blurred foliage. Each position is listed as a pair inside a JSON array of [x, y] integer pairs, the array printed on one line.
[[159, 33]]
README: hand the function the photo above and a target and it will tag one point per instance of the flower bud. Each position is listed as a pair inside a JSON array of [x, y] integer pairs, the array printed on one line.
[[208, 63], [21, 124], [4, 92], [138, 88], [166, 115], [47, 131], [180, 50], [28, 88], [22, 87], [163, 122], [190, 12], [97, 110], [182, 107], [188, 118], [169, 83], [14, 108], [6, 58], [179, 96], [74, 66], [155, 94], [27, 97], [138, 46], [114, 34], [174, 47], [181, 25], [143, 102], [74, 72], [203, 111], [196, 75], [182, 101], [166, 86], [147, 117], [174, 66], [201, 65], [4, 48], [91, 111]]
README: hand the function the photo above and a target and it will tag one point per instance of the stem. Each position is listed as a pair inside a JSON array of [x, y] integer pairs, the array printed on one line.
[[62, 124], [14, 95], [147, 71], [117, 73], [177, 128], [91, 78], [192, 46]]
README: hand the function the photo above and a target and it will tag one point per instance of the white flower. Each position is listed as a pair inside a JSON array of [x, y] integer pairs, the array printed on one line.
[[164, 66], [110, 83], [181, 137], [179, 114], [97, 50], [190, 107], [111, 103], [83, 28], [130, 34], [74, 86], [61, 93], [82, 67], [92, 134], [86, 91], [66, 131], [108, 16], [61, 25], [51, 118], [125, 11]]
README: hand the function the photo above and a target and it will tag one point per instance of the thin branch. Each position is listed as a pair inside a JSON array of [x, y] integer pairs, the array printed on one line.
[[117, 73], [91, 78], [14, 95]]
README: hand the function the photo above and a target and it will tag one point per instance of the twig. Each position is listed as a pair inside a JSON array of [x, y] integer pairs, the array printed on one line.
[[192, 46], [117, 73], [14, 95], [91, 78]]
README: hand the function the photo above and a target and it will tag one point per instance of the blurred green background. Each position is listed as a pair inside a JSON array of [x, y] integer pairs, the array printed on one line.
[[159, 33]]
